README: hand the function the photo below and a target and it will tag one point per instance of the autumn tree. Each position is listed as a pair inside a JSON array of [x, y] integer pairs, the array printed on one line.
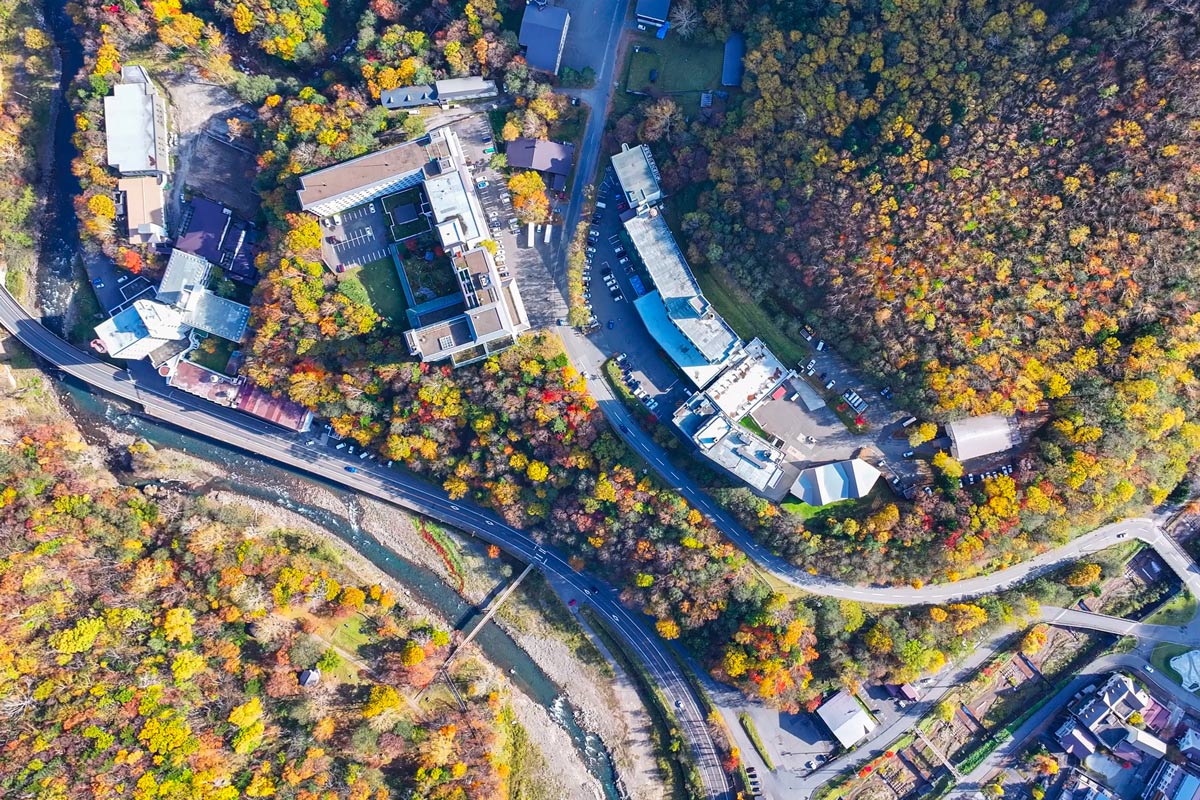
[[529, 197]]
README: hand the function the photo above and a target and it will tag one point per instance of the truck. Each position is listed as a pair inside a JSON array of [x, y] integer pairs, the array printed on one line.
[[546, 238], [531, 234]]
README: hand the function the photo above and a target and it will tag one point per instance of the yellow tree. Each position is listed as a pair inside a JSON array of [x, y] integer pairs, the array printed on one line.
[[1084, 575], [529, 197]]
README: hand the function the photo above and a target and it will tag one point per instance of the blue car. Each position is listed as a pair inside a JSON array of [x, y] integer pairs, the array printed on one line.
[[351, 469], [610, 324], [98, 283]]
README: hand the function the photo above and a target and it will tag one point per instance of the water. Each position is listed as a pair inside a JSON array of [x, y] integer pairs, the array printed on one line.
[[255, 478], [60, 234]]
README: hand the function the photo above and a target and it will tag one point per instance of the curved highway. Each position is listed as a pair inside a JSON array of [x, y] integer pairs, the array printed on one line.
[[261, 438]]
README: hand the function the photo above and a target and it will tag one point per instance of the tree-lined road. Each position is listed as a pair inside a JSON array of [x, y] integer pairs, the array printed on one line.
[[235, 429]]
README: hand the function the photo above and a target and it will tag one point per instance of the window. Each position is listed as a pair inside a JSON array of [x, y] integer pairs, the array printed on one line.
[[445, 342]]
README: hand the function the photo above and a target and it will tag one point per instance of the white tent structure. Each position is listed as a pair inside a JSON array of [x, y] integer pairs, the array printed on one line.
[[980, 436], [1188, 667], [829, 483]]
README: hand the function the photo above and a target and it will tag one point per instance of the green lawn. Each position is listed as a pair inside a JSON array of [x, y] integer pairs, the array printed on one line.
[[348, 635], [806, 511], [1161, 657], [1179, 610], [747, 319], [682, 66], [382, 286], [749, 423], [222, 349]]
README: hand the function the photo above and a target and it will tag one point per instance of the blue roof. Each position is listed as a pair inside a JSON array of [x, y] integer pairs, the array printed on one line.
[[735, 52]]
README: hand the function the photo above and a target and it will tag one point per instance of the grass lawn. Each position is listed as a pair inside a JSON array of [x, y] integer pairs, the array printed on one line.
[[1161, 657], [748, 422], [348, 634], [747, 319], [682, 66], [382, 285], [222, 349], [1179, 610], [805, 510]]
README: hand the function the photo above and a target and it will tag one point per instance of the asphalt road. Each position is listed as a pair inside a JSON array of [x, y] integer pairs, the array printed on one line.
[[264, 439]]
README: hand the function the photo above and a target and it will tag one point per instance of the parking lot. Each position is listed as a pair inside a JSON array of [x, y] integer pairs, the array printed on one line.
[[355, 237]]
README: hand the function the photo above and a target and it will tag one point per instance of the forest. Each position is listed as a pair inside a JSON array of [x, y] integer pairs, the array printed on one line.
[[989, 206], [153, 646]]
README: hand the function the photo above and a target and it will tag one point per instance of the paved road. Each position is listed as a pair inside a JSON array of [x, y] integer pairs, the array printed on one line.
[[264, 439]]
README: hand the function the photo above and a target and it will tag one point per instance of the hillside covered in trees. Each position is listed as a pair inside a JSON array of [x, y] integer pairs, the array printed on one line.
[[991, 206], [153, 647]]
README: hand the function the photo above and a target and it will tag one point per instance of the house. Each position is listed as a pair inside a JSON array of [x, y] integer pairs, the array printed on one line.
[[408, 97], [310, 677], [653, 13], [830, 483], [980, 436], [491, 315], [1075, 739], [847, 719], [732, 65], [1171, 782], [638, 175], [1111, 704], [143, 202], [543, 34], [135, 126], [212, 232], [1189, 744], [1146, 742], [552, 159], [444, 92]]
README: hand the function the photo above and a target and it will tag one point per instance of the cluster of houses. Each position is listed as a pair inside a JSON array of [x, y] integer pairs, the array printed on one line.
[[165, 324], [1118, 736], [486, 312]]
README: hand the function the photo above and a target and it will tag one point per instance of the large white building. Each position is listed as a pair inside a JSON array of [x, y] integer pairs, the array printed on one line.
[[980, 436], [829, 483], [847, 719], [135, 126]]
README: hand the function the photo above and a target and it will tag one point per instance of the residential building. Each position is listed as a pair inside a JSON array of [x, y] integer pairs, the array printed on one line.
[[638, 175], [488, 319], [653, 13], [143, 203], [457, 215], [1111, 704], [444, 92], [1171, 782], [543, 35], [212, 232], [830, 483], [1075, 739], [847, 719], [552, 159], [980, 436], [278, 410], [408, 97], [732, 65], [135, 126], [1189, 744]]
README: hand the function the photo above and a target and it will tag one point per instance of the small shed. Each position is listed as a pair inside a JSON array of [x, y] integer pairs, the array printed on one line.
[[310, 677]]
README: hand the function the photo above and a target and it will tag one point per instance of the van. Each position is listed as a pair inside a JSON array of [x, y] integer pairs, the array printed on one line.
[[546, 238], [600, 204], [908, 422], [531, 234]]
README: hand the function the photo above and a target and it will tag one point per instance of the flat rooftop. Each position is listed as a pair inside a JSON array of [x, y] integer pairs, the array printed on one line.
[[740, 452], [748, 381], [686, 306], [203, 382], [450, 202], [638, 175], [183, 279], [679, 348], [120, 331]]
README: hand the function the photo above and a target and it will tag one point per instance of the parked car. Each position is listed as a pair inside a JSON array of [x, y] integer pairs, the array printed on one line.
[[591, 250], [482, 184], [820, 345], [611, 325], [622, 261], [98, 283], [121, 279], [371, 208], [811, 365], [829, 385], [909, 454]]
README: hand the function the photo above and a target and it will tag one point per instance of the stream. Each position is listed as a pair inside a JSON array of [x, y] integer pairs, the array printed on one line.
[[249, 476]]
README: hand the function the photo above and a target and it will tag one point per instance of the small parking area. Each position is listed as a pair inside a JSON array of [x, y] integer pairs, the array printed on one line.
[[355, 237]]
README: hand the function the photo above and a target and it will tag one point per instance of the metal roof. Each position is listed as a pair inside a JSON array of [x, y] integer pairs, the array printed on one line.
[[653, 10], [219, 316], [373, 168], [408, 96], [135, 129], [543, 30], [541, 155], [464, 88], [735, 53], [183, 280], [979, 436], [848, 720]]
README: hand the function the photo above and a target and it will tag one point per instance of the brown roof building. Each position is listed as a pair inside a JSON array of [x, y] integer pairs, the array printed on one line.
[[144, 202]]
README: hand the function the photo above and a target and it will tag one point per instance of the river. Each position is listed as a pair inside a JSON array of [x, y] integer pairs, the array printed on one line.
[[249, 476]]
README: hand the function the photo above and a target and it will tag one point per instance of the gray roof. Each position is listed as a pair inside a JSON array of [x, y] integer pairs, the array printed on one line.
[[465, 88], [183, 280], [220, 317], [408, 96], [135, 127], [848, 721], [653, 10], [380, 167], [979, 436], [638, 174], [543, 29], [541, 155], [686, 306], [829, 483]]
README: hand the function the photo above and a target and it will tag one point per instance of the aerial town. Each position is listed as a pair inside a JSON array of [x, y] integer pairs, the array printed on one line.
[[630, 400]]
